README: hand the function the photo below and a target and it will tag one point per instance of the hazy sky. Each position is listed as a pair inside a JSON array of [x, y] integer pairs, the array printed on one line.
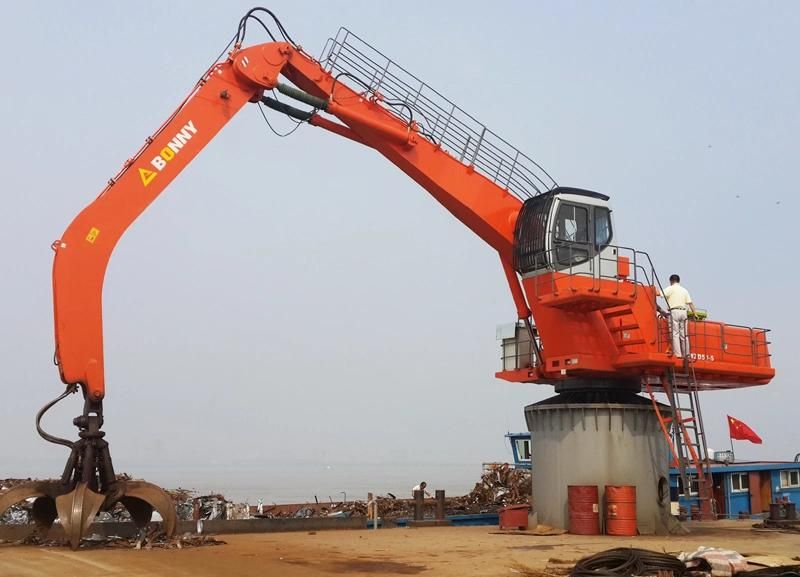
[[301, 300]]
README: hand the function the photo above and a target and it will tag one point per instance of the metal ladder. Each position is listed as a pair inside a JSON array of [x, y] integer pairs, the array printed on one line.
[[683, 428]]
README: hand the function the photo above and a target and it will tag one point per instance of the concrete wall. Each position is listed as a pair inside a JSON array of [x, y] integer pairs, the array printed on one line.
[[598, 444]]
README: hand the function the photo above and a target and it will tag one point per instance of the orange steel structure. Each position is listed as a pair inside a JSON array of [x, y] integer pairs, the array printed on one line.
[[611, 328], [589, 320], [84, 249], [587, 327]]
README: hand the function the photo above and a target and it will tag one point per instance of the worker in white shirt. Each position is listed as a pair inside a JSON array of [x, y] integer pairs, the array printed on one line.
[[679, 302], [420, 487]]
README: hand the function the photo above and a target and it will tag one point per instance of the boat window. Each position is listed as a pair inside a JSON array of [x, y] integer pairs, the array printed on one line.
[[740, 482], [523, 449], [572, 223], [602, 226], [694, 485], [790, 478]]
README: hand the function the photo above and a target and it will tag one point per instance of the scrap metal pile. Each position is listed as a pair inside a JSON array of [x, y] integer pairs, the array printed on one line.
[[188, 504], [153, 538], [18, 514], [497, 488]]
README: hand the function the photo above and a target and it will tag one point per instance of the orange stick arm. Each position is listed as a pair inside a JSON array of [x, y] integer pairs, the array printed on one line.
[[83, 251], [487, 209], [523, 312]]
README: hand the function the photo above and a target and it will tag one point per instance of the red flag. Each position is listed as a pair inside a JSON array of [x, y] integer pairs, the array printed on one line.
[[741, 432]]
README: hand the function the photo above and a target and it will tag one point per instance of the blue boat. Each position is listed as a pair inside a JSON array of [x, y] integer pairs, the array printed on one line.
[[521, 449]]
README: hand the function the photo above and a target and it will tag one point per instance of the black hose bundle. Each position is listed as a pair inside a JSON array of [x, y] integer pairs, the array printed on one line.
[[628, 562]]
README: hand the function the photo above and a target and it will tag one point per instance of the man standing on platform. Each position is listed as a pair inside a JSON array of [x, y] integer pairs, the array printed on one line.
[[679, 301]]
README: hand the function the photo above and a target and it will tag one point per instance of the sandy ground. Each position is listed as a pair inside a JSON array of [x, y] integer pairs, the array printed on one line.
[[423, 551]]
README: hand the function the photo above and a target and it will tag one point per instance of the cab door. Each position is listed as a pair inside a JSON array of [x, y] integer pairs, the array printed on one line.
[[581, 239], [572, 238]]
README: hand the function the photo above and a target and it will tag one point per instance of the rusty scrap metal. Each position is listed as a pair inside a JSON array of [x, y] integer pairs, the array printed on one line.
[[497, 488]]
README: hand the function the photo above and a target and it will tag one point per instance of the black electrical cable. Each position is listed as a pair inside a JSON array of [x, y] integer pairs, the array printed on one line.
[[367, 87], [261, 110], [295, 120], [627, 562], [393, 103], [264, 26], [242, 31], [221, 54]]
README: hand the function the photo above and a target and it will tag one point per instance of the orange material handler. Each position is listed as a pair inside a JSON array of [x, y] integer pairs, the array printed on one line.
[[587, 306]]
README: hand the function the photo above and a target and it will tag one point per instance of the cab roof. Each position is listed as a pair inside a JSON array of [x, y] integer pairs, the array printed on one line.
[[576, 191]]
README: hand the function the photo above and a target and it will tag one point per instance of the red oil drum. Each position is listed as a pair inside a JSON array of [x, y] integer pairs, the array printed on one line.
[[621, 510], [584, 509]]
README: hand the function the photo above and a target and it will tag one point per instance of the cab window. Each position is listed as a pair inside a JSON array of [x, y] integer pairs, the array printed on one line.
[[572, 223], [602, 226]]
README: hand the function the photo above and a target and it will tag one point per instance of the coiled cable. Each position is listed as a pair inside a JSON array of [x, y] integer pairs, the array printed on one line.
[[627, 562]]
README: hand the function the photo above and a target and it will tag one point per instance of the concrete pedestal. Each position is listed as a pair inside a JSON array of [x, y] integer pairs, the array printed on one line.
[[599, 438]]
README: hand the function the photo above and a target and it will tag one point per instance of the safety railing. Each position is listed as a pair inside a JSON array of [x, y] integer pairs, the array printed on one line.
[[715, 341], [516, 350], [574, 262], [349, 58], [709, 340]]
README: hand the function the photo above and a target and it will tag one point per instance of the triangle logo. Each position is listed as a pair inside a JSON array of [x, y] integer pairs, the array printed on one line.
[[147, 175]]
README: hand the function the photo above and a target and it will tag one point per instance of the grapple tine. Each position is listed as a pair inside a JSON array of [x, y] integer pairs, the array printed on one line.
[[141, 497], [77, 510], [43, 511]]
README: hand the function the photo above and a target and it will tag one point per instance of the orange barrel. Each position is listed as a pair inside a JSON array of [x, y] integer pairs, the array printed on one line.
[[584, 509], [621, 510]]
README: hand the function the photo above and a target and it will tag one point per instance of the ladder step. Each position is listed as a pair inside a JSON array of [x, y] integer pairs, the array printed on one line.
[[617, 312], [627, 342], [620, 328]]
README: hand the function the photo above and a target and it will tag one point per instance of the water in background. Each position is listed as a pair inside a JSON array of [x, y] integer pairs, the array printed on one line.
[[302, 482]]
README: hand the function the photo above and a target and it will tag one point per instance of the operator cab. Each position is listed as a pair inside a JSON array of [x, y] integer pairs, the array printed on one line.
[[566, 229]]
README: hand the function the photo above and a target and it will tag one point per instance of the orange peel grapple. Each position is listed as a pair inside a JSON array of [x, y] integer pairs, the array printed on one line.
[[88, 484]]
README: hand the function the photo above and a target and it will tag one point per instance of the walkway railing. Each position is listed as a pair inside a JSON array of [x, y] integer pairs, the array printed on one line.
[[351, 59]]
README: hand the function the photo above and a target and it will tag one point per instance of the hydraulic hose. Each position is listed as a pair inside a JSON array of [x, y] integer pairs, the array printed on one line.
[[45, 435]]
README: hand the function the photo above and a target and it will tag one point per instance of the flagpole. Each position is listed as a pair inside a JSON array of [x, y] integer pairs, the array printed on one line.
[[733, 453]]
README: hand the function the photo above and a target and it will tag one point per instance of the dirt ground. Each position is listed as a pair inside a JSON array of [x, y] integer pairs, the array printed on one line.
[[447, 551]]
